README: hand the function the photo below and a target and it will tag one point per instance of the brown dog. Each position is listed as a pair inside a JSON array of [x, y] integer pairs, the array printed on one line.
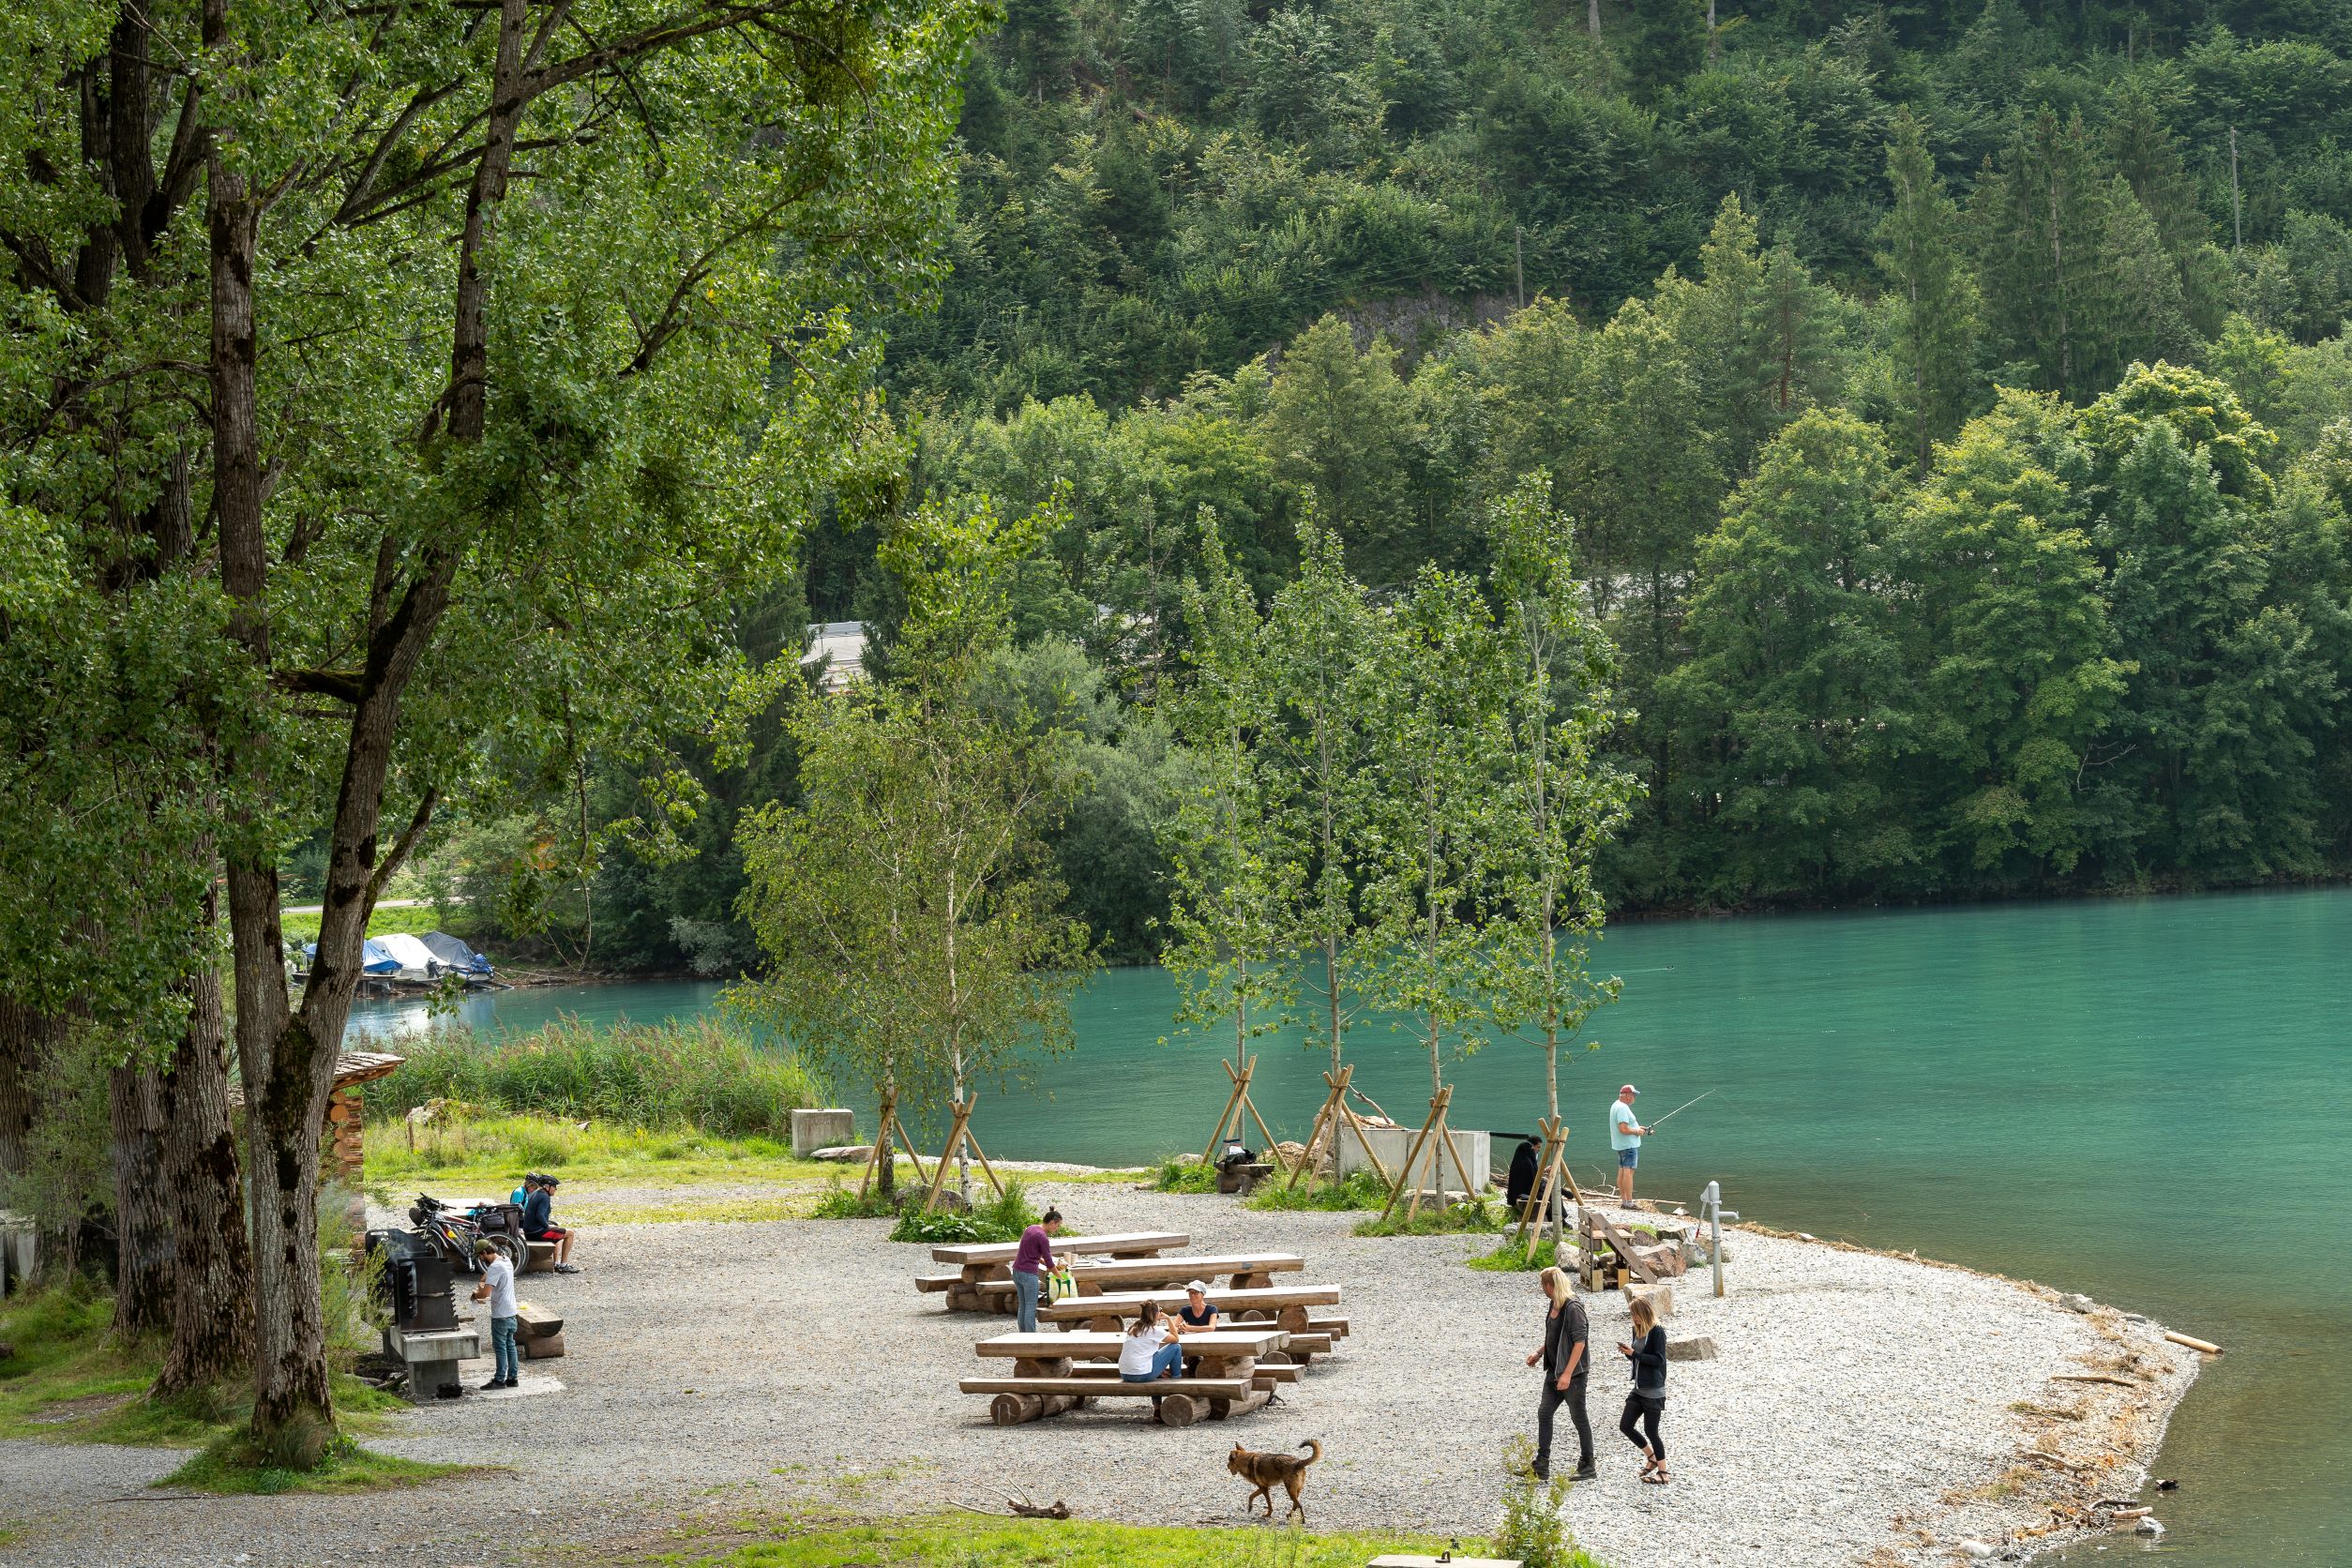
[[1266, 1472]]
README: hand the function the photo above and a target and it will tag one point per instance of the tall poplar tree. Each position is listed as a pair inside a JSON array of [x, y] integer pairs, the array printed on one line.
[[1561, 797], [1325, 651], [1234, 879]]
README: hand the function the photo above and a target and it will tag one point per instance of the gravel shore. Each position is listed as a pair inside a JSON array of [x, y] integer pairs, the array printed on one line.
[[1863, 1409]]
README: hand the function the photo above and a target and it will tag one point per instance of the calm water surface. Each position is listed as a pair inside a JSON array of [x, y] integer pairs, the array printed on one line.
[[2143, 1100]]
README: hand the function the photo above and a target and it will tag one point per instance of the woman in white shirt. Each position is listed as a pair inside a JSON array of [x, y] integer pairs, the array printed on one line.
[[1149, 1352]]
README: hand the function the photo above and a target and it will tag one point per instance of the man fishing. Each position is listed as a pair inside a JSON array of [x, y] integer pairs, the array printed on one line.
[[1625, 1135]]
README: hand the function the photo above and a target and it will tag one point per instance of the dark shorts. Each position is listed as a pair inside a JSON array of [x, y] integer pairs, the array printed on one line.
[[1628, 1158]]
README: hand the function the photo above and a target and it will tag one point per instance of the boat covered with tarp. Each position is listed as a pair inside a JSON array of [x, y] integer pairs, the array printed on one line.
[[454, 954]]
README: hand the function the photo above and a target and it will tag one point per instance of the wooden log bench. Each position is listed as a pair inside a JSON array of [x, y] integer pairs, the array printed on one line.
[[1183, 1400], [978, 1262], [1055, 1372]]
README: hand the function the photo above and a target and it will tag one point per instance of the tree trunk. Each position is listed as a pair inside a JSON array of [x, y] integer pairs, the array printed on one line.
[[1593, 17], [142, 1207], [25, 1036], [212, 1303]]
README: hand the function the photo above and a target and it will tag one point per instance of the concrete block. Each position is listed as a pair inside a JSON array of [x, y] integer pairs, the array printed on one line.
[[813, 1130], [1393, 1143], [1699, 1349]]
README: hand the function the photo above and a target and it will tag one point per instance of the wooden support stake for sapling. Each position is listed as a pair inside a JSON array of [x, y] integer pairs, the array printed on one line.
[[1554, 1166], [1438, 1103], [960, 1134], [1326, 1123], [1236, 1105], [885, 1127]]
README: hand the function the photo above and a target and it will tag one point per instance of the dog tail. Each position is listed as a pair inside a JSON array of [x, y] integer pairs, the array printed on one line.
[[1316, 1446]]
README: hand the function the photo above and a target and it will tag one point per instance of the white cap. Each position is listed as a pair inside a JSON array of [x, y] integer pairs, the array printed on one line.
[[1629, 1089], [1196, 1284]]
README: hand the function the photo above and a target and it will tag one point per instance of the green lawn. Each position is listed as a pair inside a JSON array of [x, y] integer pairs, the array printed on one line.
[[489, 1154], [415, 922], [972, 1542], [69, 1381]]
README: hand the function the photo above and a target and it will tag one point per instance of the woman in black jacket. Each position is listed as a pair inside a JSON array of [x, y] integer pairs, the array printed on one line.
[[1566, 1358], [1647, 1403]]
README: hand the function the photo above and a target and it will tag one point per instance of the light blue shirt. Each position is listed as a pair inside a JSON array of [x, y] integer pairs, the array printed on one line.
[[1621, 1117]]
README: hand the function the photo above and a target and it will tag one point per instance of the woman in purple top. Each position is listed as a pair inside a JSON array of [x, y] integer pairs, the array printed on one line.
[[1032, 1260]]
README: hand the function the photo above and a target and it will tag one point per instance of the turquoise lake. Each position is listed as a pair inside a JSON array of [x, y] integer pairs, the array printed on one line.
[[2145, 1100]]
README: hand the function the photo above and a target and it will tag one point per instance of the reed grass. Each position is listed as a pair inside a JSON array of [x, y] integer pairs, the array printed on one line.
[[693, 1074]]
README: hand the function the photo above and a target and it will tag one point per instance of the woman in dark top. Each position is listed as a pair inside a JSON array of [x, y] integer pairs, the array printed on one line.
[[1199, 1315], [1647, 1403], [1566, 1357]]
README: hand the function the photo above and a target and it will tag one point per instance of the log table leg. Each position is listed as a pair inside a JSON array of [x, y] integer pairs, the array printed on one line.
[[1221, 1367], [1012, 1410], [1180, 1409]]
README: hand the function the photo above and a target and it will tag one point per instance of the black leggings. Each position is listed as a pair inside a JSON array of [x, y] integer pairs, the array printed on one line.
[[1642, 1410]]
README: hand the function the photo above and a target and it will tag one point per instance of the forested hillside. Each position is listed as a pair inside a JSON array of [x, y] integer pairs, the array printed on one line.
[[1948, 403]]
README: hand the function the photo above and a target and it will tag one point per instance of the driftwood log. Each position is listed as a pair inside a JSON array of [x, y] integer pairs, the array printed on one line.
[[1021, 1508]]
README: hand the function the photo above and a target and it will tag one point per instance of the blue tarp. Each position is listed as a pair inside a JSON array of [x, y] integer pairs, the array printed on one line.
[[374, 959]]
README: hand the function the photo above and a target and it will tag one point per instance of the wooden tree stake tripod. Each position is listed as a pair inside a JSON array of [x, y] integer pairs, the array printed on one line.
[[1327, 1124], [960, 1132], [1235, 1103], [882, 1151], [1434, 1127], [1552, 1172]]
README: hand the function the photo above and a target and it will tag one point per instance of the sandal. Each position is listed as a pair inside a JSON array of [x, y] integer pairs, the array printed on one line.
[[1655, 1478]]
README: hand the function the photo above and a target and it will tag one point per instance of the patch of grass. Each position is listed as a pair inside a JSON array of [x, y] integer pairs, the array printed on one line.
[[1361, 1190], [380, 922], [978, 1543], [1479, 1215], [233, 1464], [1507, 1258], [70, 1381], [491, 1153], [841, 1202], [682, 1074], [1184, 1175]]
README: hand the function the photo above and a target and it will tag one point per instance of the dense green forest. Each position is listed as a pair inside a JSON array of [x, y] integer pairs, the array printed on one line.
[[1950, 405]]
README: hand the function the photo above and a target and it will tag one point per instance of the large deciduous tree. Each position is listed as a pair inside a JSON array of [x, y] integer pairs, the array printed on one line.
[[482, 461]]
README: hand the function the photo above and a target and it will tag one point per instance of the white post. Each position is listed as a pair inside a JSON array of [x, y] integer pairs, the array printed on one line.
[[1711, 1205]]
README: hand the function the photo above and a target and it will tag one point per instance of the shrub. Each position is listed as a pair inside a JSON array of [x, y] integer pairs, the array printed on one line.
[[1532, 1530], [675, 1075], [1361, 1190], [1000, 1219], [1478, 1214], [1183, 1173], [841, 1202]]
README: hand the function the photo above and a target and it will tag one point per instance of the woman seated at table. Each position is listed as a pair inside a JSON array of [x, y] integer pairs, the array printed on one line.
[[1199, 1315], [1149, 1352]]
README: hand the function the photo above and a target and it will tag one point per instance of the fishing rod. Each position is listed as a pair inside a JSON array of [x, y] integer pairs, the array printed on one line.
[[1678, 1110]]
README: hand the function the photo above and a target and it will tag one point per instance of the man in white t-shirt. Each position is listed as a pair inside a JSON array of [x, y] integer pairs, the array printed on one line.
[[1625, 1135], [498, 1288]]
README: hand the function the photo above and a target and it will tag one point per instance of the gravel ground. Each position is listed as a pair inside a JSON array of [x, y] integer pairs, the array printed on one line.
[[1859, 1411]]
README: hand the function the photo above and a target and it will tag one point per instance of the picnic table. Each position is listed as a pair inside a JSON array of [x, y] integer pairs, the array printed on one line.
[[976, 1261], [1057, 1372], [1242, 1270], [1286, 1306]]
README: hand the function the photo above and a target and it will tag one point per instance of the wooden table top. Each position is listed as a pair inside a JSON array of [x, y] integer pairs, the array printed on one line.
[[964, 1254], [1255, 1340], [1125, 1304]]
